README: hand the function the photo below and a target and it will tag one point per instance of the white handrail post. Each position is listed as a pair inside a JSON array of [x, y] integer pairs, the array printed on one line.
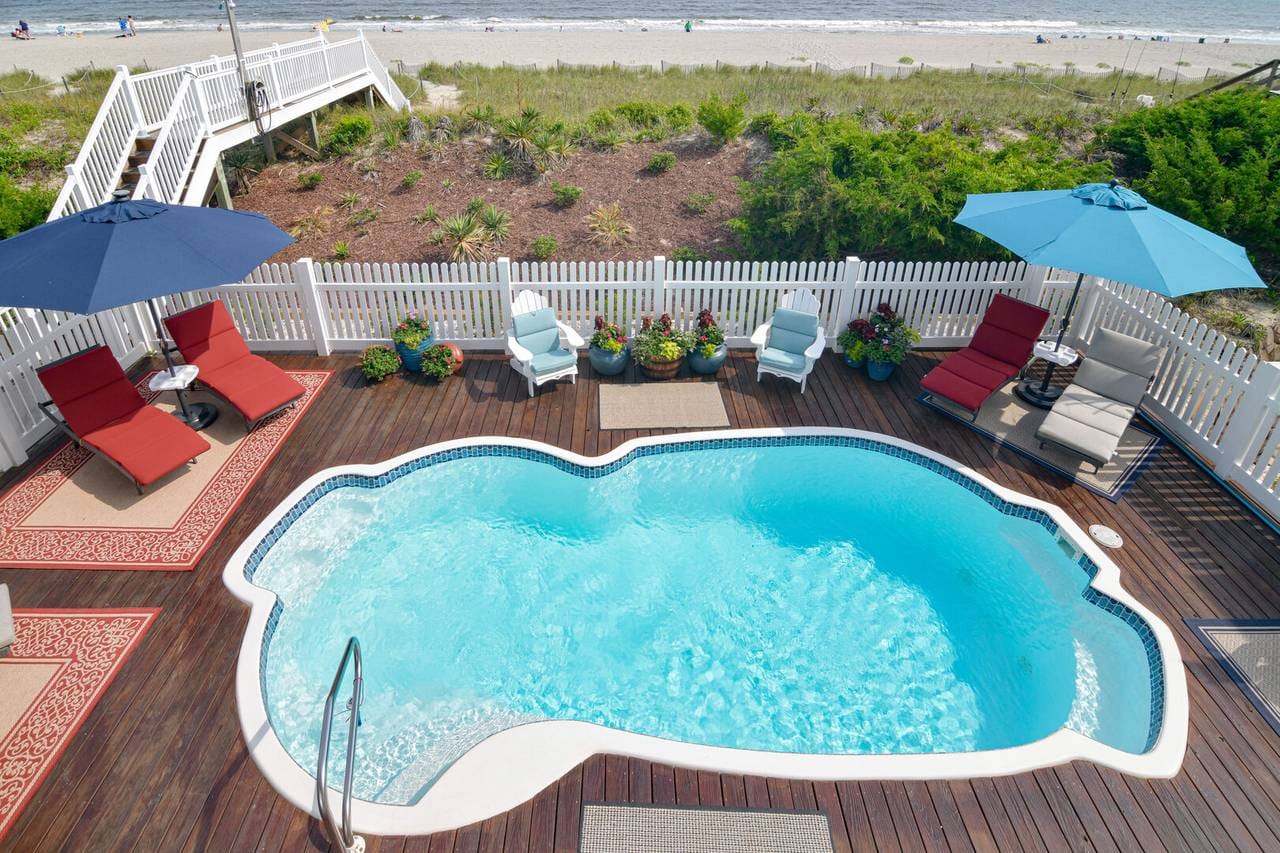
[[848, 297], [77, 188], [660, 284], [277, 95], [130, 97], [304, 278], [504, 290], [328, 72], [144, 182], [202, 107]]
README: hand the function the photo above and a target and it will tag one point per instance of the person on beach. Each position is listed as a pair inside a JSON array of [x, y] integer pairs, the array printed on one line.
[[129, 20], [688, 26], [124, 29], [23, 31]]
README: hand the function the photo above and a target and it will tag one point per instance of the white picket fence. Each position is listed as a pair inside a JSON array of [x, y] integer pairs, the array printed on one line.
[[1215, 397]]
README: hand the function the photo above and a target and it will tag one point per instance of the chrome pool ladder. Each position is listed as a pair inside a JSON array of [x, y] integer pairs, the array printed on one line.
[[341, 836]]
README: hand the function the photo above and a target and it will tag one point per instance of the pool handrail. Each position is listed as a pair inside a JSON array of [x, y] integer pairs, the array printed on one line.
[[341, 836]]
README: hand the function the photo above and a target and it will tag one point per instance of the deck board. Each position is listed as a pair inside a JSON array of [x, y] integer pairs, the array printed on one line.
[[160, 764]]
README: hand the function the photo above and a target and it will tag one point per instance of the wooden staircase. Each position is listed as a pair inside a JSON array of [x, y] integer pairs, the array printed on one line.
[[142, 147]]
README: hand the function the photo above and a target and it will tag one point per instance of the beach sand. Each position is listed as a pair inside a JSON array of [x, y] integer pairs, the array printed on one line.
[[51, 56]]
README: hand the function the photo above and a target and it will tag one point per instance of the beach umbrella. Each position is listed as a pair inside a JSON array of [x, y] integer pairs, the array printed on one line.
[[1108, 231], [128, 251]]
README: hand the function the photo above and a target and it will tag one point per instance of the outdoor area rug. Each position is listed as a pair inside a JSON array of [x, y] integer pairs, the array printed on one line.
[[1011, 423], [60, 665], [1249, 650], [75, 511], [632, 828], [662, 405]]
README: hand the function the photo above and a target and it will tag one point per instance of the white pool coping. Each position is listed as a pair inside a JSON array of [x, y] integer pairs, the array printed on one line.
[[512, 766]]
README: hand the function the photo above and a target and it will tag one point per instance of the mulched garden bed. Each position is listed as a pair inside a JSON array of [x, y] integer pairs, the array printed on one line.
[[653, 204]]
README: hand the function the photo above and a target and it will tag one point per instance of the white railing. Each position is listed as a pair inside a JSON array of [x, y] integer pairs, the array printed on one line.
[[187, 104], [1215, 397]]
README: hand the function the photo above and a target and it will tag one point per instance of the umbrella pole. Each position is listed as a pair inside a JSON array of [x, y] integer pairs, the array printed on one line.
[[164, 347], [1062, 333]]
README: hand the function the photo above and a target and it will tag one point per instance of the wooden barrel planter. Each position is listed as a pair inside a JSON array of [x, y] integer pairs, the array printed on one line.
[[660, 369]]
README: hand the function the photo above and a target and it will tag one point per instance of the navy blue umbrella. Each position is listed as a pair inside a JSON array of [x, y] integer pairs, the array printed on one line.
[[128, 251]]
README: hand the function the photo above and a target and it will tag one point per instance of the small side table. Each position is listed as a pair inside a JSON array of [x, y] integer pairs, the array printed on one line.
[[1041, 394], [195, 415]]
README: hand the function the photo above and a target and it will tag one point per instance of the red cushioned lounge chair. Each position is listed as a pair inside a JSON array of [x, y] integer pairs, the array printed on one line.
[[102, 410], [207, 338], [998, 351]]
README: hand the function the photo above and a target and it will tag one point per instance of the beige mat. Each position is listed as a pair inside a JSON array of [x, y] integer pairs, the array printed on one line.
[[1007, 420], [662, 405], [621, 828]]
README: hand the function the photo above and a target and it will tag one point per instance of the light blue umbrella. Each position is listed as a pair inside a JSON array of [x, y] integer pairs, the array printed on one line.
[[1109, 231]]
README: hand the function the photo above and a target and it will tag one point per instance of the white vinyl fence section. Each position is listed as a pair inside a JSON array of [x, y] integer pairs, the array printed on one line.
[[1215, 397]]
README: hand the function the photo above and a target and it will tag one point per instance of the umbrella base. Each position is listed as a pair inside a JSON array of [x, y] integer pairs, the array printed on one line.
[[197, 415], [1033, 392]]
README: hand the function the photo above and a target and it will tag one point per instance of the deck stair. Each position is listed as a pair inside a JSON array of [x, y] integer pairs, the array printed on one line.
[[160, 134]]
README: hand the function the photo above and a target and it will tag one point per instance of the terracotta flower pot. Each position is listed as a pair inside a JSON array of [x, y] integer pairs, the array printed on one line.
[[455, 356], [661, 369]]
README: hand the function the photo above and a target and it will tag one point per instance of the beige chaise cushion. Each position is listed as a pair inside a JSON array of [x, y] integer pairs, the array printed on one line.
[[1094, 411]]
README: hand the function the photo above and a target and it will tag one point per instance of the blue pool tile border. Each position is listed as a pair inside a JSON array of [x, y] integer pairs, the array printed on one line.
[[1104, 602]]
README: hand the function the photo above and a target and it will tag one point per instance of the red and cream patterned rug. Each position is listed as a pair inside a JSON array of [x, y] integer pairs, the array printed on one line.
[[58, 669], [75, 511]]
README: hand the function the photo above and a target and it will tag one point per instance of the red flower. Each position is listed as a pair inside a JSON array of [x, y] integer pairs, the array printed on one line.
[[599, 322]]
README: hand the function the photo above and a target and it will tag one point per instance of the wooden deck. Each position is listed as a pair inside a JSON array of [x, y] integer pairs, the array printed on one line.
[[160, 764]]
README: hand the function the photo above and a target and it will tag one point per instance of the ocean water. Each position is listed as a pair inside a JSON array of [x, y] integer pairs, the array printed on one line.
[[1241, 19], [795, 599]]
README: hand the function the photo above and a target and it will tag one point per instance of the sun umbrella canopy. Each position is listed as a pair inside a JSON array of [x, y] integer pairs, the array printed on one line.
[[1110, 231], [128, 251]]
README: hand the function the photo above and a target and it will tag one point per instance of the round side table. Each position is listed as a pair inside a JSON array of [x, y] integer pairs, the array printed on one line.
[[1041, 394], [195, 415]]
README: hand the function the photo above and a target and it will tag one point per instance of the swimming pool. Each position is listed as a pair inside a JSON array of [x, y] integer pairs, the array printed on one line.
[[813, 603]]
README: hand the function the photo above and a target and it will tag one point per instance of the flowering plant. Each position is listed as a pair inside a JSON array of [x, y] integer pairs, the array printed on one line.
[[411, 331], [608, 336], [660, 341], [853, 340], [437, 362], [893, 338], [708, 336], [378, 362]]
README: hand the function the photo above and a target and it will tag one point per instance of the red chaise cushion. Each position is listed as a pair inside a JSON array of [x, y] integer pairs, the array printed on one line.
[[105, 410], [999, 348], [208, 338]]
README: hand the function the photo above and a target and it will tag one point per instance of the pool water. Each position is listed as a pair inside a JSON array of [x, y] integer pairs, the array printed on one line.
[[809, 599]]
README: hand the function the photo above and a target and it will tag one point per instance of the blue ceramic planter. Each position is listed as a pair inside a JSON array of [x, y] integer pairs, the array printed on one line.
[[880, 370], [855, 363], [707, 365], [608, 363], [412, 357]]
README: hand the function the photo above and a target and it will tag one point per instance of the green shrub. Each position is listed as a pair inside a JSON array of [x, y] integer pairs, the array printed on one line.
[[429, 214], [410, 179], [310, 180], [610, 140], [437, 362], [544, 246], [341, 250], [688, 253], [496, 223], [905, 60], [21, 209], [348, 132], [363, 216], [640, 113], [841, 189], [699, 203], [678, 118], [564, 195], [378, 362], [723, 121], [661, 162], [600, 121]]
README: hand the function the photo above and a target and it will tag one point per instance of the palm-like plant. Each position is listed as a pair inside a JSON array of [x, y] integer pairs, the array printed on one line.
[[552, 149], [517, 136], [496, 222], [466, 237], [498, 167], [607, 225], [349, 201], [479, 119]]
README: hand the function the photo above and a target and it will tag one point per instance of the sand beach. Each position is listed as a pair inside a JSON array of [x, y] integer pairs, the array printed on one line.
[[53, 56]]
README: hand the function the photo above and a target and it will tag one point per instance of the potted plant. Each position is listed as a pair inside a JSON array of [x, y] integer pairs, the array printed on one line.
[[659, 347], [378, 362], [608, 350], [853, 340], [709, 350], [412, 337], [437, 362], [455, 356], [893, 340]]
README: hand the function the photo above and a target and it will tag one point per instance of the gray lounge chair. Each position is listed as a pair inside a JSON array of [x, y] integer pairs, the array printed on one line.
[[1094, 411], [7, 636]]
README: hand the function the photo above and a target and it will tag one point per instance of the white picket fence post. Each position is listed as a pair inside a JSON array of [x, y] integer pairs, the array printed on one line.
[[304, 278], [504, 291], [12, 451], [660, 286], [848, 296], [1032, 289]]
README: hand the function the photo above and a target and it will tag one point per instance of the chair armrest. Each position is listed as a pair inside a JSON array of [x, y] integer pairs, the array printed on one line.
[[47, 407], [761, 335], [575, 340], [815, 349], [518, 350]]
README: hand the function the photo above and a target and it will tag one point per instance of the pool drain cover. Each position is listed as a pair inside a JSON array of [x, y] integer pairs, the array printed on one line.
[[1105, 536]]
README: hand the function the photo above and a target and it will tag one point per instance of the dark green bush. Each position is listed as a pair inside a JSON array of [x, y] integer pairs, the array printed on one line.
[[640, 113], [21, 209], [544, 246], [842, 190], [661, 162], [723, 121], [564, 195], [349, 132], [678, 118]]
